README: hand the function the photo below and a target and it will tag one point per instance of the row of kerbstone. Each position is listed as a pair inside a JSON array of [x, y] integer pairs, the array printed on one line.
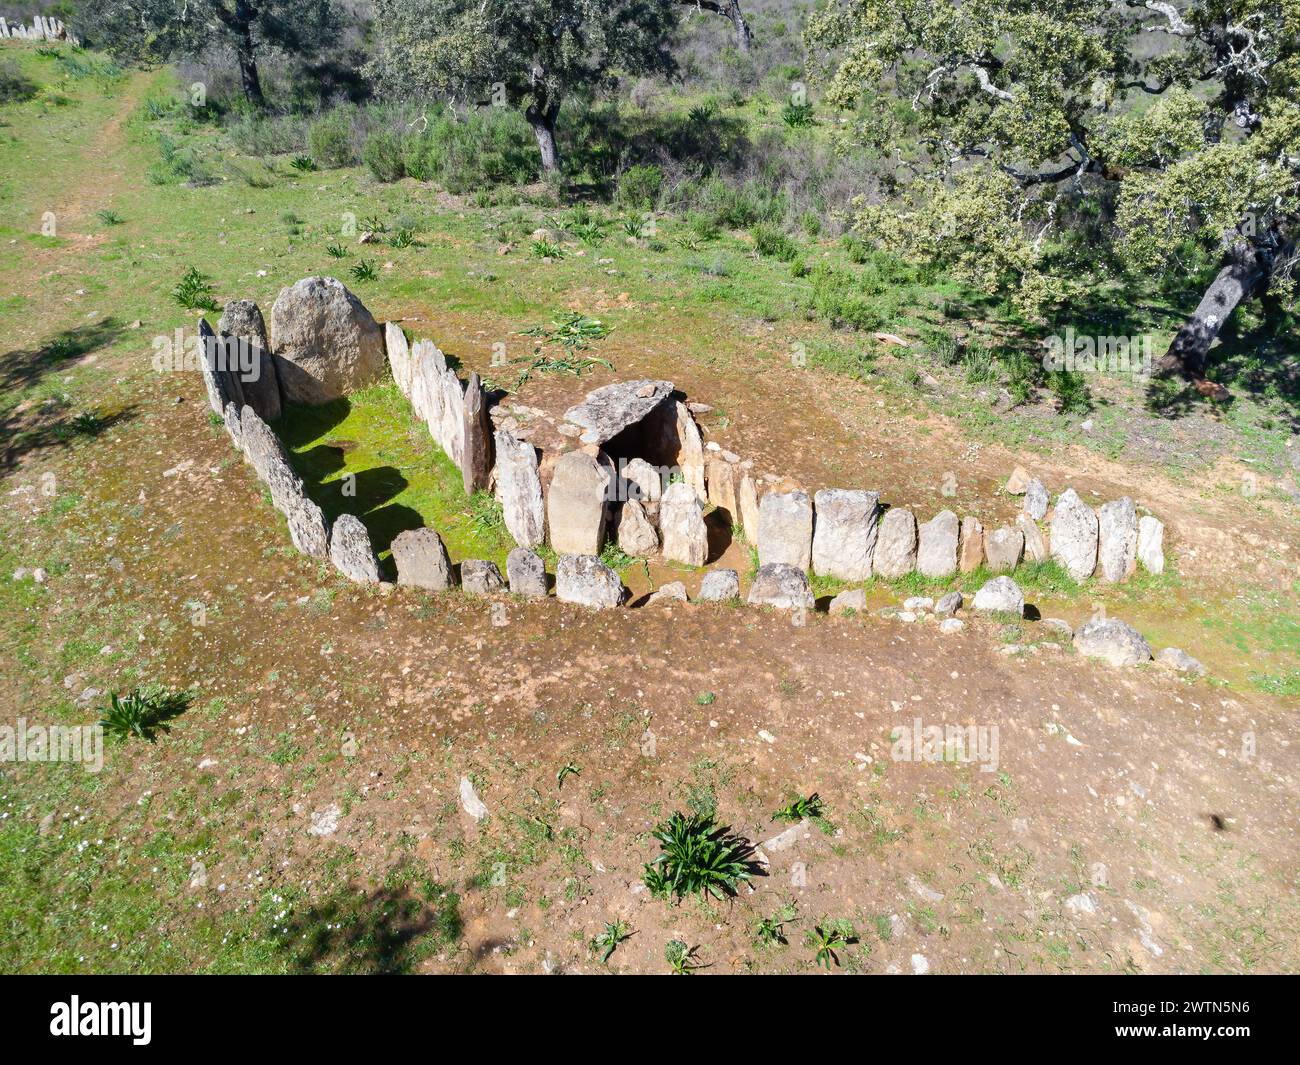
[[345, 543], [841, 533]]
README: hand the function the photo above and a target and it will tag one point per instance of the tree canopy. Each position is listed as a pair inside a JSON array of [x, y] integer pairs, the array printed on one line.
[[1175, 124], [527, 53], [160, 30]]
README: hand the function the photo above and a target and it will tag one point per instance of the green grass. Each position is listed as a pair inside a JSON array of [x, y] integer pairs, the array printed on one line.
[[372, 444]]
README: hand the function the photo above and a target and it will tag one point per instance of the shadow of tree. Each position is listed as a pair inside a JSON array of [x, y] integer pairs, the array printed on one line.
[[390, 930], [52, 425], [21, 368]]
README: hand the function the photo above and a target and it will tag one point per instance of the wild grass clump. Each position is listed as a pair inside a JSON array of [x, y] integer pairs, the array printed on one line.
[[698, 857], [143, 713], [15, 86]]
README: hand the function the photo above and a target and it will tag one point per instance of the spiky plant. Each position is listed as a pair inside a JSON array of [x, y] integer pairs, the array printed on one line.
[[698, 856]]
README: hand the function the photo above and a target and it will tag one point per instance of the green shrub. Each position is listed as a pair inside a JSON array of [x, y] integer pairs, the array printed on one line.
[[842, 300], [774, 244], [330, 140], [15, 86], [262, 135], [1071, 391], [639, 187], [798, 116], [383, 155], [489, 147]]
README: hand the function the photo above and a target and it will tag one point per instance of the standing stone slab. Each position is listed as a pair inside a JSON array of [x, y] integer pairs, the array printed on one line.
[[269, 458], [451, 430], [748, 503], [670, 437], [607, 411], [782, 586], [1035, 545], [636, 536], [519, 487], [641, 480], [308, 529], [427, 369], [575, 504], [527, 573], [970, 547], [476, 437], [785, 529], [844, 533], [326, 343], [480, 577], [1117, 539], [719, 586], [244, 332], [1112, 640], [222, 386], [350, 550], [1035, 503], [721, 485], [683, 534], [399, 357], [1003, 549], [936, 552], [1151, 544], [1073, 534], [585, 580], [422, 560], [895, 554]]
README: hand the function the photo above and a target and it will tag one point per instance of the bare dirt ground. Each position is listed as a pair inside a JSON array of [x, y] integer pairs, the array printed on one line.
[[1134, 821]]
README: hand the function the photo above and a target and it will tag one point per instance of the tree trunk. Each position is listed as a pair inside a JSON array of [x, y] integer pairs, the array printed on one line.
[[1238, 280], [542, 119], [739, 24], [250, 80], [248, 75]]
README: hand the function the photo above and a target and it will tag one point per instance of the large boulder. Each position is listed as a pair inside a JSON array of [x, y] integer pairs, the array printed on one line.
[[719, 586], [242, 325], [936, 551], [519, 487], [1117, 539], [326, 343], [844, 533], [1073, 535], [1112, 640], [421, 559], [350, 550], [1003, 548], [576, 504], [895, 554], [636, 536], [970, 546], [1151, 544], [785, 529], [1001, 595], [585, 580], [780, 585], [684, 536], [527, 573]]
